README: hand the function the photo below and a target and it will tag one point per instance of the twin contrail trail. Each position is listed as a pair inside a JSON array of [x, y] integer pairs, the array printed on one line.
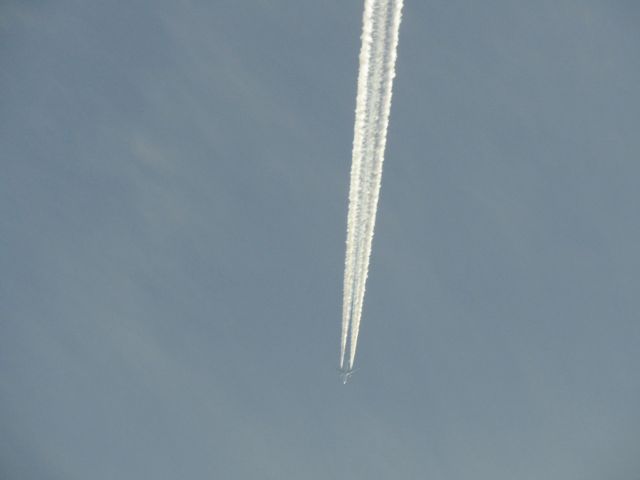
[[380, 25]]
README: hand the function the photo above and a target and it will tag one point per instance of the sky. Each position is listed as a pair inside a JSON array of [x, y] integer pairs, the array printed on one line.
[[173, 204]]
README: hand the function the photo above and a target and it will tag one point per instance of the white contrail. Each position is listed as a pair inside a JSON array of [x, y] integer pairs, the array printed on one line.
[[368, 79], [367, 105], [361, 110], [375, 174], [381, 21], [372, 129]]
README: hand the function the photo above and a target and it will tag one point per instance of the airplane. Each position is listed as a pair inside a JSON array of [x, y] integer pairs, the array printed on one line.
[[345, 374]]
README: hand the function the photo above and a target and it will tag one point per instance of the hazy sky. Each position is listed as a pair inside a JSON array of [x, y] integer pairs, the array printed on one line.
[[173, 201]]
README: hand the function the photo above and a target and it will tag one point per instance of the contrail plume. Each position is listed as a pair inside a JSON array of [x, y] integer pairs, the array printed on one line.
[[381, 22], [368, 80], [367, 106], [375, 173], [361, 111]]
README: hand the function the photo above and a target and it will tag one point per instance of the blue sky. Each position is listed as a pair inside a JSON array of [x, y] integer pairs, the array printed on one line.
[[172, 224]]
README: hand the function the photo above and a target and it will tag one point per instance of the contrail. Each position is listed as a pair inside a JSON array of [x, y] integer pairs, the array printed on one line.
[[376, 149], [367, 80], [381, 22], [366, 106], [358, 137]]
